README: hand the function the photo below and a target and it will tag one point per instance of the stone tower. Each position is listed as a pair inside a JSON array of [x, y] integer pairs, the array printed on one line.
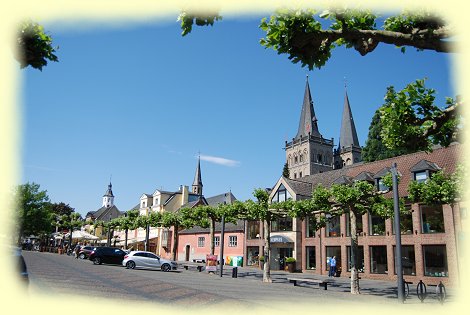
[[308, 153], [197, 184], [108, 197], [349, 150]]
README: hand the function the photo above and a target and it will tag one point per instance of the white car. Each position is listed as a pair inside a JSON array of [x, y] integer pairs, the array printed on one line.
[[147, 260]]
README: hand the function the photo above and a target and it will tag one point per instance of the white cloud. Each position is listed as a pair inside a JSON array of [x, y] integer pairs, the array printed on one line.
[[219, 160]]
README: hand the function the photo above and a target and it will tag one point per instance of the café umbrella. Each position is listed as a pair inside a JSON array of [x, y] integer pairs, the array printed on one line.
[[82, 235]]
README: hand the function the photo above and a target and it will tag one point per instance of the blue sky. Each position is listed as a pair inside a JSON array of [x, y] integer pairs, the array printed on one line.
[[138, 102]]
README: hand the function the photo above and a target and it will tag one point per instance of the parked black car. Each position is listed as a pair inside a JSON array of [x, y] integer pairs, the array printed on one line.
[[107, 255], [85, 251]]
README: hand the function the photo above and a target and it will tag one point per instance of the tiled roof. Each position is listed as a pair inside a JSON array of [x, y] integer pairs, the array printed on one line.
[[424, 165], [229, 198], [445, 158]]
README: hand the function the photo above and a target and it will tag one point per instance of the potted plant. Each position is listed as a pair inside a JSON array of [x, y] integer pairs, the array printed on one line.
[[261, 262], [290, 262]]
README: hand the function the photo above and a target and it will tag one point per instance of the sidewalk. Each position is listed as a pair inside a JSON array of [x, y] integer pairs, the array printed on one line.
[[377, 288]]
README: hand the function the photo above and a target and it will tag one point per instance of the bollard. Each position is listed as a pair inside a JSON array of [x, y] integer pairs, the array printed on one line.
[[235, 272], [421, 291]]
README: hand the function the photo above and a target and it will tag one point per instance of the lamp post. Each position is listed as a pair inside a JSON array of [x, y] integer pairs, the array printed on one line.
[[398, 261]]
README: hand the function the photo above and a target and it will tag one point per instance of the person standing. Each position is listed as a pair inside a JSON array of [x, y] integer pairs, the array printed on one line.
[[77, 250], [332, 267]]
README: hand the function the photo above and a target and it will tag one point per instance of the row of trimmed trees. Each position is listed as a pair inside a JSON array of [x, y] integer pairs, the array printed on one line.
[[351, 199]]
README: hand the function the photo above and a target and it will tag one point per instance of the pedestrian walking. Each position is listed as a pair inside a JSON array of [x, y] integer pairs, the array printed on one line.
[[332, 267], [77, 250]]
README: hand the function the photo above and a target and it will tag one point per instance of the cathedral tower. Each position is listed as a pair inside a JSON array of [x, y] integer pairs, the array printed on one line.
[[308, 153], [197, 184]]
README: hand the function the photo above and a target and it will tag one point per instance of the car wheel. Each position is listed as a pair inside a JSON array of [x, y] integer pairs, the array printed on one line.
[[97, 261], [166, 267], [81, 256], [130, 264]]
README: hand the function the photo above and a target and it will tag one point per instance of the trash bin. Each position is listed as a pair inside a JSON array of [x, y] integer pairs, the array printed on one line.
[[235, 272]]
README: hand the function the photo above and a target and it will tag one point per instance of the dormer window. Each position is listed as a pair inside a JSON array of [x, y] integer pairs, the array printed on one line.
[[379, 179], [423, 170], [381, 186], [421, 176]]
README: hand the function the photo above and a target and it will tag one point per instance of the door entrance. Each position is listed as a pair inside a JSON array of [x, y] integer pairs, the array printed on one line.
[[187, 252], [283, 253]]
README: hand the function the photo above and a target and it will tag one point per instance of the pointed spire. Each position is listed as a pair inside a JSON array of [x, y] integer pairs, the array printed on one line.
[[308, 120], [197, 183], [348, 135]]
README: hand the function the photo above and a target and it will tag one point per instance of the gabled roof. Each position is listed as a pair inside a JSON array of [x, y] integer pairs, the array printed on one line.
[[228, 197], [424, 165], [382, 172], [101, 213], [369, 177], [300, 188], [343, 180]]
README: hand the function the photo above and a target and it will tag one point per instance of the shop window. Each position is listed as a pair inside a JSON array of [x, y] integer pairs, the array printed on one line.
[[281, 224], [253, 228], [406, 223], [432, 219], [333, 227], [232, 241], [310, 262], [310, 226], [252, 253], [376, 225], [408, 262], [216, 241], [359, 258], [378, 259], [359, 226], [435, 261], [333, 251], [201, 241]]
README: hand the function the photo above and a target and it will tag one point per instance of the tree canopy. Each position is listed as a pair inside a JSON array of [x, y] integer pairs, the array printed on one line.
[[33, 210]]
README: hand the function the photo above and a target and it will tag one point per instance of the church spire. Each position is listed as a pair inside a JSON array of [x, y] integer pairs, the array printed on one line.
[[197, 183], [108, 197], [308, 120], [348, 135]]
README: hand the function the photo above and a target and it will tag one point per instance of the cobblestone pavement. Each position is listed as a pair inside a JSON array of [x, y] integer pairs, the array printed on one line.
[[61, 274]]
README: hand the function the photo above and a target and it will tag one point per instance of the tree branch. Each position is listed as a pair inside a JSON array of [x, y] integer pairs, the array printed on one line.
[[365, 41]]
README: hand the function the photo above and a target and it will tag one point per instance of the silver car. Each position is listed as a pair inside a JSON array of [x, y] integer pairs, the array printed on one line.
[[148, 260]]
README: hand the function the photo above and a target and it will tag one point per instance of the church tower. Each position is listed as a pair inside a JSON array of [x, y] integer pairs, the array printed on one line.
[[197, 184], [308, 153], [108, 197], [349, 150]]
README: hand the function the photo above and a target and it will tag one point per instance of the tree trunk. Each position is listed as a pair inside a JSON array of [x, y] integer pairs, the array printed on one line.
[[175, 242], [354, 252], [212, 235], [267, 253]]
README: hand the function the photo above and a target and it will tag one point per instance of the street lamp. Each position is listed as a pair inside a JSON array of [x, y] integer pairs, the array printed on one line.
[[398, 261]]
